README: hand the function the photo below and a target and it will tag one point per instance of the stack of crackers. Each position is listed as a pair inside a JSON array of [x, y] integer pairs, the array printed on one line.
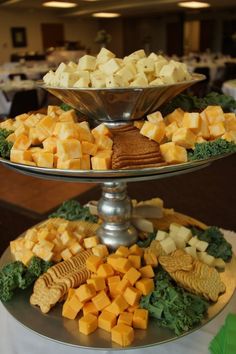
[[133, 150]]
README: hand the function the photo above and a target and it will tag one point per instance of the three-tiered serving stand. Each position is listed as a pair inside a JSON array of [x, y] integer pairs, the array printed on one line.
[[113, 107]]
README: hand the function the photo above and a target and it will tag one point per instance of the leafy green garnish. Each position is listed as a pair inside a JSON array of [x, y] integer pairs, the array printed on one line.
[[65, 107], [190, 103], [147, 241], [174, 307], [218, 246], [5, 146], [211, 149], [73, 210], [16, 275]]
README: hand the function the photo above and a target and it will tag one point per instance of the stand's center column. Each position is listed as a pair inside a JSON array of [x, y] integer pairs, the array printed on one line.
[[114, 208]]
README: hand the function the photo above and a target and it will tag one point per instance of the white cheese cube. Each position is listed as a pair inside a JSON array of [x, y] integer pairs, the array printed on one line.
[[116, 81], [131, 67], [68, 79], [139, 81], [207, 259], [104, 55], [184, 233], [169, 74], [168, 245], [145, 65], [72, 65], [174, 227], [159, 65], [143, 224], [138, 54], [161, 235], [50, 79], [81, 83], [180, 243], [61, 68], [156, 82], [201, 245], [84, 74], [153, 56], [192, 251], [98, 79], [87, 62], [110, 67], [126, 73], [193, 241]]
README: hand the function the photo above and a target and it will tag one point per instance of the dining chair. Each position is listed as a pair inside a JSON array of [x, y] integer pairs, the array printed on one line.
[[22, 76]]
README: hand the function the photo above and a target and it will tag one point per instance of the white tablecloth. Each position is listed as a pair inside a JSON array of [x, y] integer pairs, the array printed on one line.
[[16, 339], [229, 88]]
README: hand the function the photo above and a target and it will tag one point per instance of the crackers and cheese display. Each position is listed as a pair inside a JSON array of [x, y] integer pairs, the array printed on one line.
[[176, 258], [107, 71], [58, 140]]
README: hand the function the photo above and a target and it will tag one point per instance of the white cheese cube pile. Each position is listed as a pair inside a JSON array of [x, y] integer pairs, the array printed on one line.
[[181, 237], [105, 70]]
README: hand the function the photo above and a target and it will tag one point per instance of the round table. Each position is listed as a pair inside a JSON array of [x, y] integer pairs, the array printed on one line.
[[16, 339]]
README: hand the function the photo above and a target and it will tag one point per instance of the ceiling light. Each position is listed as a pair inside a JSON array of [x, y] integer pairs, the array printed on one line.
[[61, 4], [106, 14], [194, 4]]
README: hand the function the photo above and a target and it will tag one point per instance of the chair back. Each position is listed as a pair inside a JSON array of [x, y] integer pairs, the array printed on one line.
[[23, 102], [21, 75]]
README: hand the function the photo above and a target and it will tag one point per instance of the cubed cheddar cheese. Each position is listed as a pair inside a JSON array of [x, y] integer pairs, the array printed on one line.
[[125, 318], [98, 283], [101, 129], [66, 254], [230, 121], [43, 159], [147, 271], [217, 129], [89, 307], [47, 125], [132, 295], [89, 148], [106, 320], [72, 164], [118, 305], [88, 324], [50, 144], [122, 335], [74, 303], [153, 131], [150, 258], [68, 312], [66, 130], [214, 114], [22, 142], [171, 129], [132, 275], [191, 120], [101, 300], [20, 155], [85, 292], [103, 142], [75, 248], [176, 116], [184, 137], [145, 285], [100, 250], [112, 282], [135, 249], [69, 149], [122, 251], [68, 116], [122, 285], [140, 319], [120, 264], [85, 162], [135, 260], [173, 153], [90, 242], [105, 270], [155, 117], [93, 262], [100, 162]]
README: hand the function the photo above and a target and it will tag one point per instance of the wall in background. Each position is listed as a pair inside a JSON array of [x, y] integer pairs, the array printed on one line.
[[75, 29]]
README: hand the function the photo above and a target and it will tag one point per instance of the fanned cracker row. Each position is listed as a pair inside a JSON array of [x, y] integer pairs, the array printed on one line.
[[133, 150], [53, 285], [194, 276]]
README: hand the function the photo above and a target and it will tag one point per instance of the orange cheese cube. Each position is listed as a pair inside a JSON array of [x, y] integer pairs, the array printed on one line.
[[68, 312], [44, 159], [146, 285], [50, 144], [85, 162], [88, 324], [112, 284], [173, 153], [132, 308], [66, 238], [103, 142], [101, 129], [100, 250], [132, 295], [136, 250], [170, 129], [100, 162], [47, 125], [125, 318], [74, 303], [66, 254], [106, 320], [105, 270], [20, 155], [118, 305], [68, 116], [230, 121], [22, 142], [101, 300], [122, 251], [184, 137], [132, 275], [69, 149], [191, 120], [85, 292], [217, 129], [175, 116], [140, 319], [73, 164], [89, 148], [90, 242], [97, 282], [214, 114], [135, 261], [122, 335], [153, 131], [138, 124], [203, 130], [147, 271], [75, 248], [150, 258], [120, 264], [89, 307], [122, 285], [22, 129], [65, 130], [93, 262]]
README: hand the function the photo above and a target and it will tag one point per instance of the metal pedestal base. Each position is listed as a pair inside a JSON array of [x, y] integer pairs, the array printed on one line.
[[114, 208]]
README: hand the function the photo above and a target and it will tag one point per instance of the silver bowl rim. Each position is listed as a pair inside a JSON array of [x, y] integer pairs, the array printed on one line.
[[195, 78]]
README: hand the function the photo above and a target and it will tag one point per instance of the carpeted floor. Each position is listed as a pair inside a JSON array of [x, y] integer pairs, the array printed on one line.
[[208, 195]]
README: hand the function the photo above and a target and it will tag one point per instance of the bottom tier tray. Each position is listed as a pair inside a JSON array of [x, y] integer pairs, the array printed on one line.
[[56, 328]]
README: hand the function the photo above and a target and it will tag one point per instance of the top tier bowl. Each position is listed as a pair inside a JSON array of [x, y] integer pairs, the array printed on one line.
[[120, 104]]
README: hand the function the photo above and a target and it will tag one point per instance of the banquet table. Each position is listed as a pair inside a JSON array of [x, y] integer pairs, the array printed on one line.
[[229, 88], [16, 339]]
